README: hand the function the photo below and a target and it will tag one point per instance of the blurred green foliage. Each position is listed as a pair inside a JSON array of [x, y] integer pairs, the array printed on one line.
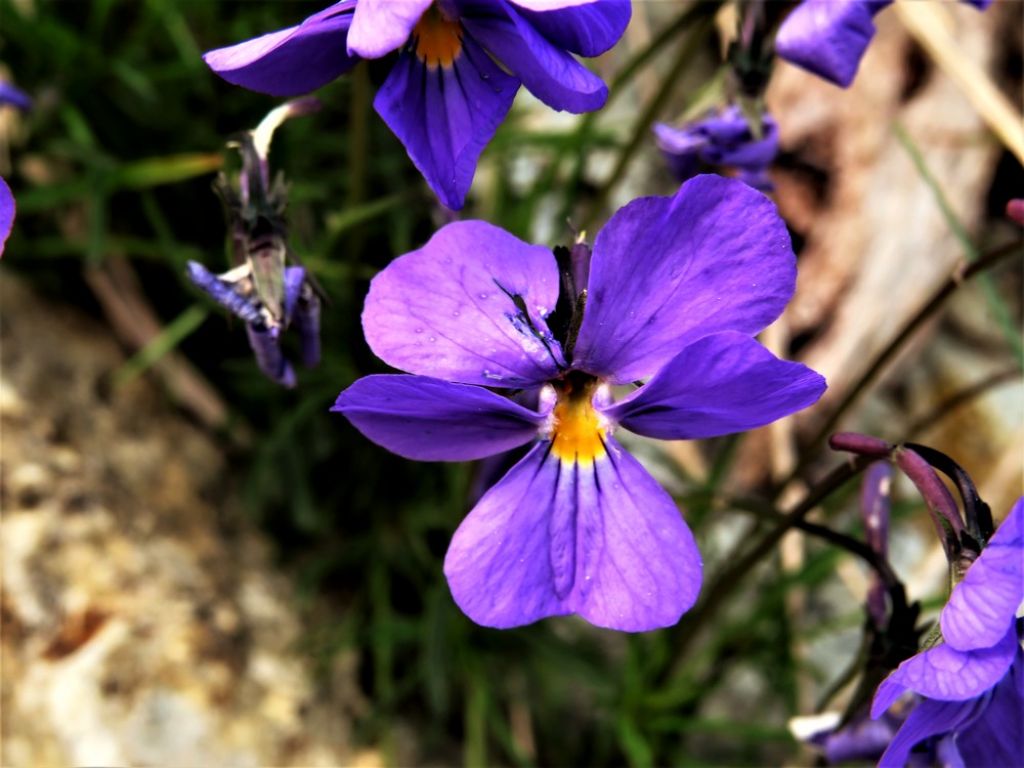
[[118, 161]]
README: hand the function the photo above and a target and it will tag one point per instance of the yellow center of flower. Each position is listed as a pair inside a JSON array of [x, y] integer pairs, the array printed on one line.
[[438, 40], [577, 433]]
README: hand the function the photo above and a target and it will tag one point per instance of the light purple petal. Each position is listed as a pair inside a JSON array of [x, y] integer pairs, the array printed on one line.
[[432, 420], [984, 604], [828, 37], [947, 674], [294, 278], [382, 26], [668, 270], [11, 94], [929, 718], [601, 539], [6, 213], [446, 115], [997, 737], [550, 73], [224, 293], [293, 60], [723, 383], [445, 310], [586, 27]]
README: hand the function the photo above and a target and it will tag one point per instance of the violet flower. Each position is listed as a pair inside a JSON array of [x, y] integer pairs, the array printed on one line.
[[15, 97], [972, 682], [262, 289], [673, 294], [829, 37], [460, 64], [721, 138]]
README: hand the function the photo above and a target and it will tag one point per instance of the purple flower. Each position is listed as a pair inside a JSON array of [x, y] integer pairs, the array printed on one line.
[[15, 97], [6, 213], [972, 682], [721, 138], [829, 37], [459, 66], [674, 291]]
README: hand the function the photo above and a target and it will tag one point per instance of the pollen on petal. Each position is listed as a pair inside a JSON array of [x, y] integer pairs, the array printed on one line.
[[577, 431], [438, 40]]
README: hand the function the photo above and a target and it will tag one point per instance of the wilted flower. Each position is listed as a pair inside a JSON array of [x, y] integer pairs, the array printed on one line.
[[971, 680], [674, 291], [261, 289], [829, 37], [459, 67], [721, 138]]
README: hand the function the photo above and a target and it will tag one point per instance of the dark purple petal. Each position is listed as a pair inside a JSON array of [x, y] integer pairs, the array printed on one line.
[[224, 294], [997, 737], [293, 60], [984, 604], [382, 26], [432, 420], [598, 538], [667, 271], [588, 28], [550, 73], [307, 321], [947, 674], [10, 94], [929, 718], [828, 37], [874, 509], [445, 115], [446, 310], [294, 278], [266, 347], [682, 149], [721, 384], [6, 213], [861, 739]]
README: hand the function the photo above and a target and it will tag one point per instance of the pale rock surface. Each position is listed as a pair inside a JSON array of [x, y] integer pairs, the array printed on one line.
[[142, 624]]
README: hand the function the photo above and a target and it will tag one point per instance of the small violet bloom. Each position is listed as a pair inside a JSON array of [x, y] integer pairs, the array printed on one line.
[[972, 682], [262, 290], [460, 63], [15, 97], [674, 291], [721, 138], [829, 37]]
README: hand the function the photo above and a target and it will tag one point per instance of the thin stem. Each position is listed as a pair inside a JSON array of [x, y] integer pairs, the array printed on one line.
[[729, 579], [641, 129], [617, 86], [932, 306]]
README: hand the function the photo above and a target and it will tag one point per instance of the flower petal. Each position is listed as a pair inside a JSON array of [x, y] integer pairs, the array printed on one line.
[[550, 73], [382, 26], [828, 37], [586, 27], [720, 384], [667, 271], [266, 348], [293, 60], [984, 604], [6, 213], [947, 674], [445, 115], [598, 538], [997, 737], [446, 310], [11, 94], [432, 420], [929, 718]]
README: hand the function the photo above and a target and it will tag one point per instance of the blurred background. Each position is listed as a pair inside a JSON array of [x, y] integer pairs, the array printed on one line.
[[202, 568]]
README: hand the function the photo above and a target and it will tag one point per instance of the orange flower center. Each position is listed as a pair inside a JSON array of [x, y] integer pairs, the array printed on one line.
[[438, 40], [577, 435]]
